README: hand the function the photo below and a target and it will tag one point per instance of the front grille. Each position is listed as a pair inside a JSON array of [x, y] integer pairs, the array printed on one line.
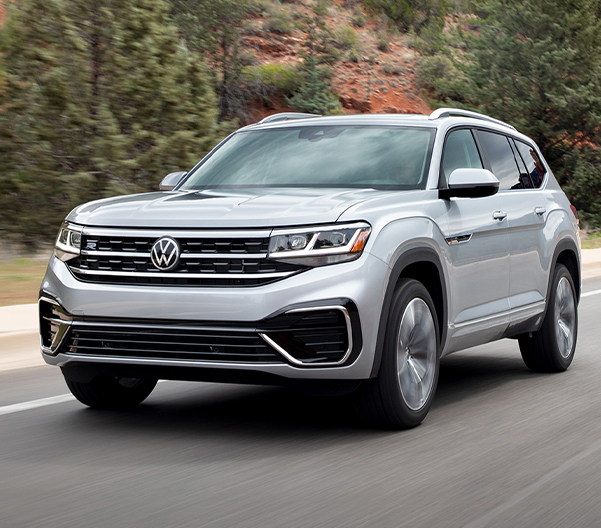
[[141, 244], [204, 260], [169, 343], [303, 336]]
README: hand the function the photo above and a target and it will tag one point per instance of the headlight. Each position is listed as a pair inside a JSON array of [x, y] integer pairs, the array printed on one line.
[[68, 242], [319, 246]]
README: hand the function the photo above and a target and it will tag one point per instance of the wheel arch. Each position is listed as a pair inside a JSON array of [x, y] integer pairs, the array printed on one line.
[[566, 253], [424, 265]]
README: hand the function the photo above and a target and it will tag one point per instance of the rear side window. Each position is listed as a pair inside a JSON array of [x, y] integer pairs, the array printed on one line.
[[534, 166], [500, 157], [460, 152]]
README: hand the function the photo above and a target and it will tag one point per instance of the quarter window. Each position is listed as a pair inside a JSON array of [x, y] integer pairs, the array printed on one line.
[[501, 159], [460, 152], [534, 166]]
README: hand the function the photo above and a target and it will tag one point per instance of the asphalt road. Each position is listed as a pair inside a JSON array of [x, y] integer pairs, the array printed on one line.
[[501, 447]]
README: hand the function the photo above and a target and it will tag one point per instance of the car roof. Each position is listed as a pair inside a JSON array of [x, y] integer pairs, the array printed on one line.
[[443, 118]]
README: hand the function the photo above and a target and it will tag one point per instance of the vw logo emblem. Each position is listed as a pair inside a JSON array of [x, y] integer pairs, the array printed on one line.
[[165, 253]]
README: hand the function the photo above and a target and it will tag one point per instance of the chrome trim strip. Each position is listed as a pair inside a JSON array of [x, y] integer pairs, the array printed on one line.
[[540, 306], [183, 255], [159, 274], [297, 362], [159, 361], [61, 334], [176, 232], [458, 239], [151, 326]]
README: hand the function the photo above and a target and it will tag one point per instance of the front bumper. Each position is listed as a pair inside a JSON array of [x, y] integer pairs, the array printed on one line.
[[355, 289]]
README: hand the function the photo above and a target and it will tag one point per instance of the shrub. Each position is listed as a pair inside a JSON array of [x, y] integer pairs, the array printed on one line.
[[441, 76], [392, 69], [382, 40], [346, 38], [279, 21], [282, 78], [320, 7], [358, 18]]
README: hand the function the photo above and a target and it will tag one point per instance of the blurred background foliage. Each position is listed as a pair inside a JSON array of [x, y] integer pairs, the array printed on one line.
[[106, 97]]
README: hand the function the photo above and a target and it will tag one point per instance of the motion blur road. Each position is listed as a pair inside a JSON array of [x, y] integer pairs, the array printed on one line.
[[501, 447]]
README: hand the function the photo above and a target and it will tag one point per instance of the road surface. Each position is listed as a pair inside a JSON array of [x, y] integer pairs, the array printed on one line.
[[501, 447]]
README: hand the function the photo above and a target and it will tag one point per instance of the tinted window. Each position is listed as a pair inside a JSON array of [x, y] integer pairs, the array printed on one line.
[[534, 166], [502, 162], [460, 152], [525, 181], [309, 156]]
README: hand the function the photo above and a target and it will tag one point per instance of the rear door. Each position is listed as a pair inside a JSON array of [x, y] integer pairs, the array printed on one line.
[[521, 175]]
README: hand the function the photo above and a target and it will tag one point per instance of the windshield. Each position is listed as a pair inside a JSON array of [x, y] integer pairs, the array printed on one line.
[[319, 156]]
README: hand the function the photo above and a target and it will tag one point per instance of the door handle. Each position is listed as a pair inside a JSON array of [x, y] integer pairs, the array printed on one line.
[[540, 211], [499, 215]]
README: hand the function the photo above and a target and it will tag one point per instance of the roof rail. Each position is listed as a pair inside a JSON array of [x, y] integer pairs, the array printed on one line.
[[448, 112], [285, 116]]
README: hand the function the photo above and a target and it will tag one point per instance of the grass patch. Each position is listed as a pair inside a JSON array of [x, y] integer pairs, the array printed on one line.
[[590, 240], [20, 280]]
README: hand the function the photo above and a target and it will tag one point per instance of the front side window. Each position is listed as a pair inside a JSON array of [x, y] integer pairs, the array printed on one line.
[[460, 152], [534, 165], [381, 157], [501, 159]]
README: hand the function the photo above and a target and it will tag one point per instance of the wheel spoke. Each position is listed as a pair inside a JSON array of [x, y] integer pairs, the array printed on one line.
[[565, 317], [416, 353]]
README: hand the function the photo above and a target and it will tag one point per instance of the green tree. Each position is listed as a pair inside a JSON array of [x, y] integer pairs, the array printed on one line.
[[411, 14], [213, 27], [536, 65], [100, 98], [314, 95]]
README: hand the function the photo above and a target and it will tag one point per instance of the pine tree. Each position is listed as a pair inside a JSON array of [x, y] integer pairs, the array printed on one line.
[[214, 27], [537, 65], [314, 95], [100, 98]]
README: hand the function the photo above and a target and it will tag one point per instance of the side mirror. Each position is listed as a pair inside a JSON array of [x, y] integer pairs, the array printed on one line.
[[171, 180], [470, 183]]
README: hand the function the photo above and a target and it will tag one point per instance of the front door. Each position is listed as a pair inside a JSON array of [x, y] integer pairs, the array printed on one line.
[[478, 249]]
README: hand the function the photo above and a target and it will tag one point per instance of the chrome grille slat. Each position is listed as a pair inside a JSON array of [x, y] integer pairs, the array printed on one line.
[[168, 342], [160, 274], [209, 258]]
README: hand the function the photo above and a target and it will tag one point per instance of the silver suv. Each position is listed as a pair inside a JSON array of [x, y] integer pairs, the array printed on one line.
[[339, 254]]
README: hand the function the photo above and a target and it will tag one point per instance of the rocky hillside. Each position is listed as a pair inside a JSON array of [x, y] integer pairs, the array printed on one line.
[[375, 69]]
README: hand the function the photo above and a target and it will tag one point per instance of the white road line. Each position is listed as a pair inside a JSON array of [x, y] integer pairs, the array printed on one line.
[[533, 488], [44, 402], [588, 294], [34, 404]]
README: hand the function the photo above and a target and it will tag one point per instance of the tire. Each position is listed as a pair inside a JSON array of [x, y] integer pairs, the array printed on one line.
[[551, 349], [112, 393], [401, 394]]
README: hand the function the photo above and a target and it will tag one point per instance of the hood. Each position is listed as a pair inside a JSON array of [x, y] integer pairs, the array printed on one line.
[[222, 209]]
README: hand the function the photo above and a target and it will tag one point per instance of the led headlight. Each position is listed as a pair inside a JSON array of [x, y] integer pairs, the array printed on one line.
[[319, 246], [68, 242]]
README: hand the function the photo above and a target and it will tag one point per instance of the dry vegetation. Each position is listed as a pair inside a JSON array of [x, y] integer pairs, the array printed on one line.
[[20, 280]]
